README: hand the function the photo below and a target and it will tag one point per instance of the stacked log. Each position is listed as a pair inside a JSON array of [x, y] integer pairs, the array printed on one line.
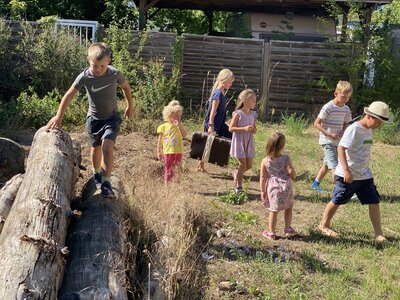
[[31, 261], [7, 197], [98, 261], [12, 159]]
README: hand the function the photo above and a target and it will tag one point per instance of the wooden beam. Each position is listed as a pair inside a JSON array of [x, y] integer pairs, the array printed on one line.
[[144, 6]]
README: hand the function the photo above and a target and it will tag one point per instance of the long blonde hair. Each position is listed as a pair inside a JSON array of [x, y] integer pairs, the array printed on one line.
[[223, 75], [243, 96], [275, 144], [170, 109]]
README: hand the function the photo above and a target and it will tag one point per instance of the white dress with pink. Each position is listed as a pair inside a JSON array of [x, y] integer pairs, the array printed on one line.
[[279, 185]]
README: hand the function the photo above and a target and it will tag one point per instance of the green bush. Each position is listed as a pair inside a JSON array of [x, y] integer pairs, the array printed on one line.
[[47, 59], [151, 88], [30, 110], [389, 133], [294, 124]]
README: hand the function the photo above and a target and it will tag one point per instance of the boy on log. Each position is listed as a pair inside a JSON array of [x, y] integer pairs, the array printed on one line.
[[103, 118]]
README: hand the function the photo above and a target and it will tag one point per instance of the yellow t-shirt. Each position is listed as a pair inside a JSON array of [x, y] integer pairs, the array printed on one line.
[[171, 138]]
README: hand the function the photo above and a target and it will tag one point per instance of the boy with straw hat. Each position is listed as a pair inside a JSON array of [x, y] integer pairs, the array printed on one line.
[[353, 175]]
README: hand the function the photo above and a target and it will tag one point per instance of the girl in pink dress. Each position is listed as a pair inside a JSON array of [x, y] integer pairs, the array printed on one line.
[[243, 127], [276, 185]]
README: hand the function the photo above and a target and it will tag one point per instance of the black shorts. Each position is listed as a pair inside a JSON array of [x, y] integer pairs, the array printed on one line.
[[99, 130], [364, 189]]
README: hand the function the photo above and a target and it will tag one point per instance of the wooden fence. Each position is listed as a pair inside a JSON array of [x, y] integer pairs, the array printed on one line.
[[284, 74], [205, 56]]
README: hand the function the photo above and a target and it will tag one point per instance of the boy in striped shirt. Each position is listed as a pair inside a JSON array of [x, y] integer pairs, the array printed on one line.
[[331, 123]]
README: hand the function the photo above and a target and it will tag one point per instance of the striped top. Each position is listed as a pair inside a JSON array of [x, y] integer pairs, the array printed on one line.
[[333, 119]]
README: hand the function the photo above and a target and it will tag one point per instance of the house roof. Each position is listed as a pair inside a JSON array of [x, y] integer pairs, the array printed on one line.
[[274, 6]]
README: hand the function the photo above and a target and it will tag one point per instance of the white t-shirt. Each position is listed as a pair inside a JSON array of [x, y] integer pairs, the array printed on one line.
[[333, 118], [358, 141]]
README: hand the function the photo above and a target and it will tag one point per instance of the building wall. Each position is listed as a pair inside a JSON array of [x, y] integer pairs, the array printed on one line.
[[303, 25]]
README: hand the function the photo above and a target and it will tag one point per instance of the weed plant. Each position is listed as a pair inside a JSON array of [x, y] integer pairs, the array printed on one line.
[[294, 124], [232, 197]]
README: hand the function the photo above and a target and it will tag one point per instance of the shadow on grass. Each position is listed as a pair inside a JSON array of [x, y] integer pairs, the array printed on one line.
[[276, 254], [350, 239]]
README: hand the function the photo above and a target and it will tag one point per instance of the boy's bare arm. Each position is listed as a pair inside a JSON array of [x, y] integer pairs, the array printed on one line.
[[318, 125], [56, 121], [126, 89], [348, 177]]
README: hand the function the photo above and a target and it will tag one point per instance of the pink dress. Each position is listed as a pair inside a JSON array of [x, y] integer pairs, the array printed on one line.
[[279, 185]]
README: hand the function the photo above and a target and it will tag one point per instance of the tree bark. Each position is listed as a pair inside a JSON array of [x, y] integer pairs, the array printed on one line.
[[98, 241], [31, 263], [12, 159], [7, 197]]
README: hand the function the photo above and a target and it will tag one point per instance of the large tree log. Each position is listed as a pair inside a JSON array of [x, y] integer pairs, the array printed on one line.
[[12, 159], [98, 260], [7, 197], [31, 263]]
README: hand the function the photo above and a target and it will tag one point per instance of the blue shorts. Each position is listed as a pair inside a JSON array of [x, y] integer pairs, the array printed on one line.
[[364, 189], [330, 156], [99, 130]]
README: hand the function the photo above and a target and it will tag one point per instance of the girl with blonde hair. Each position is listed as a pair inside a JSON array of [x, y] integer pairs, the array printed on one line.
[[170, 140], [216, 113]]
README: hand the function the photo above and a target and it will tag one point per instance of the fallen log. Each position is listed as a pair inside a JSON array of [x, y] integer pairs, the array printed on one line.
[[31, 263], [7, 197], [12, 159], [98, 243]]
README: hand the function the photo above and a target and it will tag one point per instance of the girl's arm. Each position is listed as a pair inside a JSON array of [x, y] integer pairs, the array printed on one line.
[[126, 89], [254, 128], [233, 125], [159, 146], [290, 169], [181, 128], [263, 178], [214, 106]]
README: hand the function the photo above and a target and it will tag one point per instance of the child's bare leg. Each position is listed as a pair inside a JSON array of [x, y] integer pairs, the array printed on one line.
[[325, 225], [241, 169], [108, 157], [322, 172], [288, 217], [200, 167], [95, 156], [273, 218], [333, 175], [375, 216]]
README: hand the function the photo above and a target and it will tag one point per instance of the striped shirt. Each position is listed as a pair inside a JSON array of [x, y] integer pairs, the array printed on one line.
[[333, 119]]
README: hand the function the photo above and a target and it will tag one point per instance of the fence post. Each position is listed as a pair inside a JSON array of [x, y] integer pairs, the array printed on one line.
[[265, 81]]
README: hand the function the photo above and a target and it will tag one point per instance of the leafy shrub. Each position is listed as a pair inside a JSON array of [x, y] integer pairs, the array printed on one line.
[[389, 133], [30, 110], [246, 217], [232, 197], [151, 88], [35, 111], [47, 59], [294, 124]]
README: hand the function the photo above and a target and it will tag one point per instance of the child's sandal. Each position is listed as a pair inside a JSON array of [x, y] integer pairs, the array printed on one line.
[[289, 231], [269, 235]]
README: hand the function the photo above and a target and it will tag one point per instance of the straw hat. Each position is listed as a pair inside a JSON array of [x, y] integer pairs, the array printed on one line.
[[379, 110]]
